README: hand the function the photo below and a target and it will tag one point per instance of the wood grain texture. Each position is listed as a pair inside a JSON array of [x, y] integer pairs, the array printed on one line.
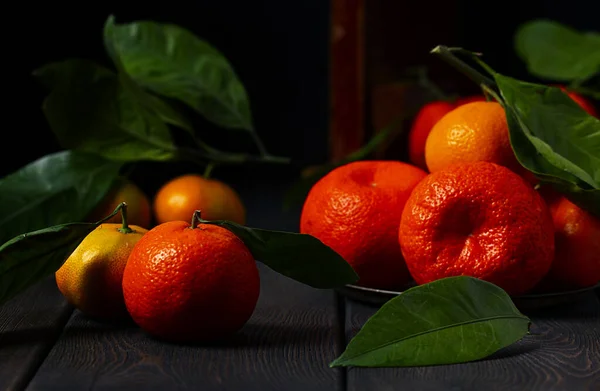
[[563, 353], [30, 323], [287, 344]]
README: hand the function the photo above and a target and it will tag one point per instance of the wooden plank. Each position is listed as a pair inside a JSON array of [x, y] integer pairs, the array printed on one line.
[[287, 345], [30, 323], [563, 353]]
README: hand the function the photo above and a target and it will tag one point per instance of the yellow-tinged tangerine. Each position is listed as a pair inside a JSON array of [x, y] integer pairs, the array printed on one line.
[[91, 278]]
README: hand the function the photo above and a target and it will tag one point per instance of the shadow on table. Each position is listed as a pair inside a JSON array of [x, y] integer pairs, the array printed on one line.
[[251, 335], [31, 336], [522, 347], [584, 308]]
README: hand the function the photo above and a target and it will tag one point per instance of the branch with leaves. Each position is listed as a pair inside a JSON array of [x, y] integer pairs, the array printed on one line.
[[128, 114]]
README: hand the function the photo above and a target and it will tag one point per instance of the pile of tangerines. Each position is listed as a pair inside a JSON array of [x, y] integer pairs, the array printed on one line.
[[155, 263], [463, 205]]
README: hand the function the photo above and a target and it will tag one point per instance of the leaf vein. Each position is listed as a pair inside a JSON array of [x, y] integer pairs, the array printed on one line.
[[473, 321]]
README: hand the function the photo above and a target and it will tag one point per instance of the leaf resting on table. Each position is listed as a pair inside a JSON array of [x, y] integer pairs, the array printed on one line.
[[448, 321]]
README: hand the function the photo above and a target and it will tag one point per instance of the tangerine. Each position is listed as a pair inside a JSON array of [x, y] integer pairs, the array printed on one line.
[[355, 209], [577, 256], [190, 283], [177, 199], [427, 116], [478, 219], [476, 131], [91, 277], [138, 204]]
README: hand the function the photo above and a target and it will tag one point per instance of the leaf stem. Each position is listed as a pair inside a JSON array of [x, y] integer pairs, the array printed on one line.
[[114, 213], [259, 144], [208, 170], [447, 55], [124, 227], [196, 218], [202, 157]]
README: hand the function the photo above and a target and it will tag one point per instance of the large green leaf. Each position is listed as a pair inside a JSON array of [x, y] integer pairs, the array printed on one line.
[[550, 133], [301, 257], [173, 62], [448, 321], [55, 189], [32, 256], [90, 109], [557, 52]]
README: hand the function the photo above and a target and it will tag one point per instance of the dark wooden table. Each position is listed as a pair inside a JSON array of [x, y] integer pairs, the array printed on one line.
[[295, 332]]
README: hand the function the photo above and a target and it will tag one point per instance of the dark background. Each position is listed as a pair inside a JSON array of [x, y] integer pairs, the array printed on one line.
[[278, 48]]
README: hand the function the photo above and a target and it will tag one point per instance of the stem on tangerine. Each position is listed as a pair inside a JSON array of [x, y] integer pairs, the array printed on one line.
[[125, 227], [114, 212], [195, 219]]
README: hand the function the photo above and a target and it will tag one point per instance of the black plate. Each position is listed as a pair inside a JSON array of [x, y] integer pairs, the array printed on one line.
[[525, 302]]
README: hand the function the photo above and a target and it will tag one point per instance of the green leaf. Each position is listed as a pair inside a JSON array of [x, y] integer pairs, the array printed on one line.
[[55, 189], [173, 62], [91, 109], [33, 256], [550, 133], [448, 321], [557, 52], [301, 257], [167, 113]]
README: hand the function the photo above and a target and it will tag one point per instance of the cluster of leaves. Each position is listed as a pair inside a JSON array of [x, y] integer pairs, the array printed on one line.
[[129, 113]]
